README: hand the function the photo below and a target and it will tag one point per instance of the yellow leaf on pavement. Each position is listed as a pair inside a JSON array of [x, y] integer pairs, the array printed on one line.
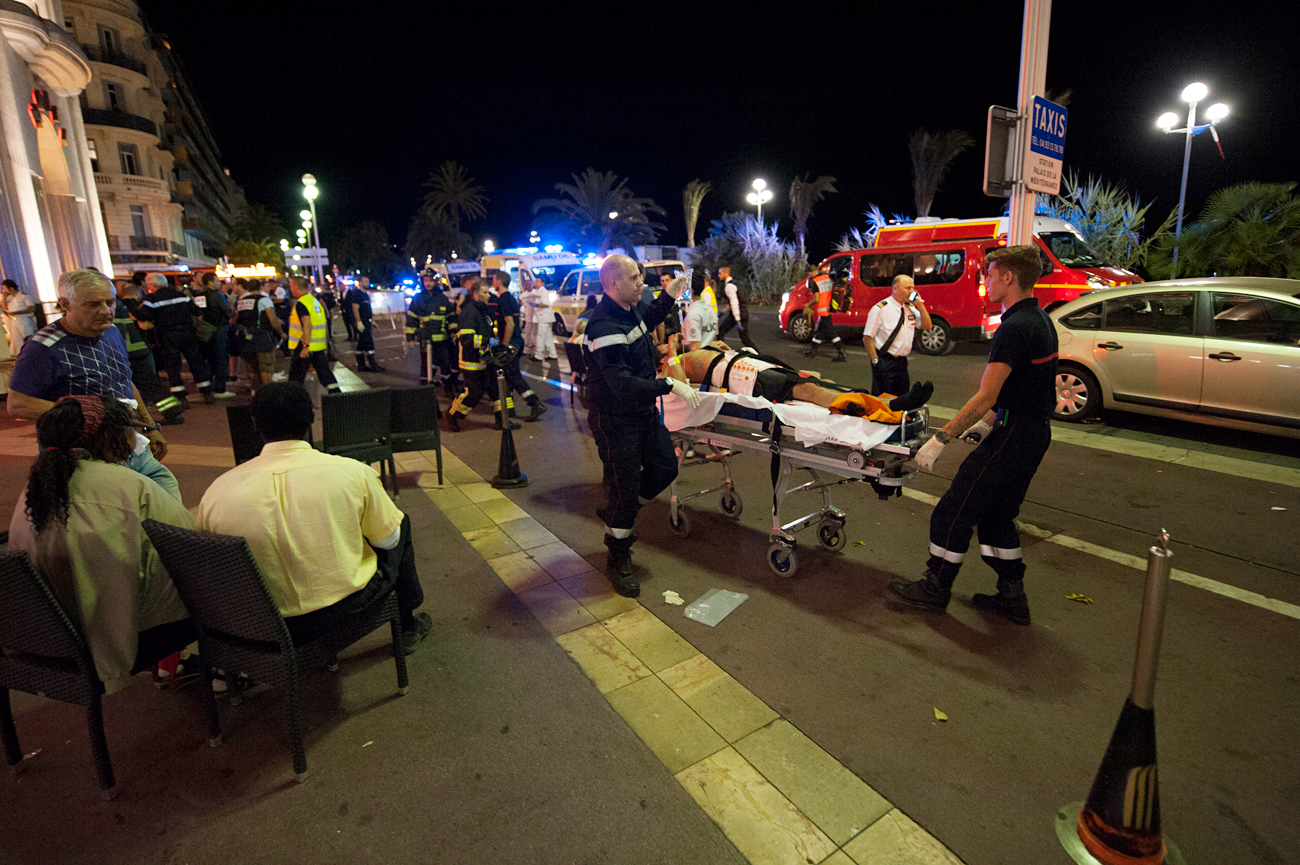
[[940, 716], [1083, 599]]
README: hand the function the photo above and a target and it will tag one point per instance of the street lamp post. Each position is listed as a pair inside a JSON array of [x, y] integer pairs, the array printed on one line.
[[760, 196], [309, 192], [1192, 95]]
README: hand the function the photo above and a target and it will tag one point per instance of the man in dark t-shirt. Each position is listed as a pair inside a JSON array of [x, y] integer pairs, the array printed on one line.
[[1009, 418]]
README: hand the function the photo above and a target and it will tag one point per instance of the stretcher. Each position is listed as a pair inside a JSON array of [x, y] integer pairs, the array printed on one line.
[[834, 449]]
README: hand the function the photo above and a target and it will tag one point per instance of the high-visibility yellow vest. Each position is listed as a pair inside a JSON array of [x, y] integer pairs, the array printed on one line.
[[317, 341]]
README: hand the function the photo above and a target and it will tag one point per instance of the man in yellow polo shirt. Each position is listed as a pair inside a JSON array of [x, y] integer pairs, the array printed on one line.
[[326, 535]]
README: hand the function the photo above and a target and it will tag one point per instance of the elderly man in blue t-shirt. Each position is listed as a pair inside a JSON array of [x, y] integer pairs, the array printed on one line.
[[83, 354]]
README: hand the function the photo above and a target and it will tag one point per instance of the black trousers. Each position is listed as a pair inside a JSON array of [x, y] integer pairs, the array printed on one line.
[[728, 321], [479, 382], [439, 356], [889, 375], [396, 571], [366, 338], [350, 323], [987, 493], [825, 332], [515, 378], [639, 460], [144, 375], [177, 344], [317, 360]]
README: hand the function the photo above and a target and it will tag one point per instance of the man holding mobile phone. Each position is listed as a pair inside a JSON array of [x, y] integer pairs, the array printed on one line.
[[888, 336]]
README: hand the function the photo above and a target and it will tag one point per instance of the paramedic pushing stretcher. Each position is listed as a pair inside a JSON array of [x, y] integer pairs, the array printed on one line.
[[623, 410], [1019, 382]]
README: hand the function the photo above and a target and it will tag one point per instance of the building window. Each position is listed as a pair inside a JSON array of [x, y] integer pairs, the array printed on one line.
[[94, 154], [114, 96], [69, 26], [139, 222], [110, 40], [130, 158]]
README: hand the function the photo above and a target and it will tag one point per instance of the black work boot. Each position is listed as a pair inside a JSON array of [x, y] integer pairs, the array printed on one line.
[[453, 421], [361, 362], [841, 357], [538, 408], [511, 421], [374, 366], [932, 592], [1010, 601], [811, 351], [208, 397], [619, 566]]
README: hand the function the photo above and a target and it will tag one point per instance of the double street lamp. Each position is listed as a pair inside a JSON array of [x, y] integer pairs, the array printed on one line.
[[1192, 95], [309, 192], [760, 196]]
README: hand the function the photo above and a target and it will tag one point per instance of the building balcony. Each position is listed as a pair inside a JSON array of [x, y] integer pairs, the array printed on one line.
[[115, 58], [120, 119], [132, 183], [150, 244]]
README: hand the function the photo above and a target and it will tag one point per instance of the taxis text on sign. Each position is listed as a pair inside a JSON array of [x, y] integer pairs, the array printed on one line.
[[1042, 171]]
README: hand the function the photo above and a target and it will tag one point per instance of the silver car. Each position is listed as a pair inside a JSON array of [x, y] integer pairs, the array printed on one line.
[[1223, 351]]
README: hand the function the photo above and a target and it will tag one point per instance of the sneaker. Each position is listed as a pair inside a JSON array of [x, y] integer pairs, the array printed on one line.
[[1013, 609], [924, 594], [280, 376], [225, 394], [412, 638]]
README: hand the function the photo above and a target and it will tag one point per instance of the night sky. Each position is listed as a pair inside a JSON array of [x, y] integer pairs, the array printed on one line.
[[372, 100]]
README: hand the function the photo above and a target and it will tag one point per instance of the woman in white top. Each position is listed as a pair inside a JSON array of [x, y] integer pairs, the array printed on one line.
[[19, 316]]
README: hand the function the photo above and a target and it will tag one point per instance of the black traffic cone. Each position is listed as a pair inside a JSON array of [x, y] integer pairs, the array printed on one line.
[[508, 474], [1119, 824]]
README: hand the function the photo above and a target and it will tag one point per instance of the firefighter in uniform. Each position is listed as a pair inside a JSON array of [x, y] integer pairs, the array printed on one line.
[[1009, 417], [258, 331], [475, 338], [144, 375], [431, 320], [511, 336], [308, 340], [823, 329], [623, 411], [172, 315]]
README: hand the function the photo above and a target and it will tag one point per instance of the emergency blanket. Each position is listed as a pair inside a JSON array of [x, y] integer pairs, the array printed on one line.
[[806, 423]]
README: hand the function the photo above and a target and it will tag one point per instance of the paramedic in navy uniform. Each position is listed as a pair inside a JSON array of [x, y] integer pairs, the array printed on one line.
[[623, 406], [1019, 384]]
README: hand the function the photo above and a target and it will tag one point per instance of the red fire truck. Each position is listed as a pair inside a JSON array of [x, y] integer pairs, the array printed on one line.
[[946, 259]]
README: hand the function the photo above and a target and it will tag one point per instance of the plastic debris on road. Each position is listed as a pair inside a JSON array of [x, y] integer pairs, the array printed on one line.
[[1083, 599], [714, 606], [859, 543], [1276, 508], [939, 716], [671, 597], [368, 744]]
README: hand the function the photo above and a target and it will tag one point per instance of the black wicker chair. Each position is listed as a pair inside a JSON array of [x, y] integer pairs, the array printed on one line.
[[357, 425], [244, 437], [577, 372], [42, 652], [241, 630], [414, 424]]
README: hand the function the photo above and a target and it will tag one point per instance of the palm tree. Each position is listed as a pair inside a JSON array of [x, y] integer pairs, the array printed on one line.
[[255, 223], [1251, 229], [454, 193], [805, 193], [692, 195], [932, 154], [1110, 219], [435, 235], [601, 209]]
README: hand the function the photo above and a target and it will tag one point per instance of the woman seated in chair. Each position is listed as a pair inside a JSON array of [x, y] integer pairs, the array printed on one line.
[[79, 520]]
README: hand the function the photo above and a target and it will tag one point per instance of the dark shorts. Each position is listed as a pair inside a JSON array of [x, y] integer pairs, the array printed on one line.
[[776, 385]]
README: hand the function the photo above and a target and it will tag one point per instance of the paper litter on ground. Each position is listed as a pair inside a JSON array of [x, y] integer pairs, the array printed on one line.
[[714, 606]]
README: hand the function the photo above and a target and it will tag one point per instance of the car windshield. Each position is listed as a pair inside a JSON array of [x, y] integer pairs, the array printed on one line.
[[1071, 250], [553, 274]]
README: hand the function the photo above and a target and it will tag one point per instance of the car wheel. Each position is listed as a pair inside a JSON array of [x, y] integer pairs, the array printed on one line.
[[937, 340], [559, 329], [1078, 396], [801, 329]]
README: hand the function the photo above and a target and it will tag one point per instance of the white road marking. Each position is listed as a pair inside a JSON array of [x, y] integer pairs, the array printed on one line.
[[1138, 563]]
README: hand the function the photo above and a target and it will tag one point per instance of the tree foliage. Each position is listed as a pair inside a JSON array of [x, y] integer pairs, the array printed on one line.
[[865, 238], [692, 197], [932, 155], [1109, 218], [804, 195], [257, 224], [1251, 229], [584, 213], [365, 248], [453, 193], [252, 252], [759, 260], [436, 235]]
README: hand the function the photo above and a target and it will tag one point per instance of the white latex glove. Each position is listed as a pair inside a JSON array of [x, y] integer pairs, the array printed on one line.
[[686, 392], [928, 453], [676, 287], [977, 433]]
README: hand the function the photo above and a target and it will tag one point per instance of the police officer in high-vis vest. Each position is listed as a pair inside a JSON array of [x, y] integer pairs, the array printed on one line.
[[822, 286], [308, 342], [431, 319]]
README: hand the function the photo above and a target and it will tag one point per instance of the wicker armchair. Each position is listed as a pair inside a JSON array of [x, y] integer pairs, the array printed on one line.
[[414, 424]]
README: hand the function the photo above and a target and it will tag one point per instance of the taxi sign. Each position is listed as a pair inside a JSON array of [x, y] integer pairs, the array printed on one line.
[[1042, 171]]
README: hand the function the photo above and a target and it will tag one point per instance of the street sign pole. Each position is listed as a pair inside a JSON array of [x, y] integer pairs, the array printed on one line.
[[1033, 74]]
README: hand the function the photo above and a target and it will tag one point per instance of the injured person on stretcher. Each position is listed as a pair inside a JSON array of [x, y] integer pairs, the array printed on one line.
[[719, 367]]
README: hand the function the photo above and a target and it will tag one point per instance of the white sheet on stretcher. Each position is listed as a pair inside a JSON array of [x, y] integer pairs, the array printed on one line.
[[809, 424]]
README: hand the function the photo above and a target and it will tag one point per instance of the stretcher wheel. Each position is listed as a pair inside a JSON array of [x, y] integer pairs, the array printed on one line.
[[681, 527], [731, 504], [783, 560], [830, 535], [856, 460]]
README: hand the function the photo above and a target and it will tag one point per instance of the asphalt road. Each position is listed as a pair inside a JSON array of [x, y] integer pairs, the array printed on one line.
[[1030, 709]]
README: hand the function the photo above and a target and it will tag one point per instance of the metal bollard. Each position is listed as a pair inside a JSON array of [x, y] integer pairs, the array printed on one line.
[[1152, 624]]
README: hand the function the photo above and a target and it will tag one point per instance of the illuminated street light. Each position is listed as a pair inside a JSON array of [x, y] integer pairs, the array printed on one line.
[[1192, 94], [760, 196], [613, 214], [304, 214], [489, 246], [309, 192]]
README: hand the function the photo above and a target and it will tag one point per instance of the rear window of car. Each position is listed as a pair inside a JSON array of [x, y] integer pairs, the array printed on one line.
[[1256, 319], [1088, 318], [1172, 314]]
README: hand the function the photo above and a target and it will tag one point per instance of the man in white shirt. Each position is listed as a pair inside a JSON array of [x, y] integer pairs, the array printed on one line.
[[326, 536], [543, 322], [737, 311], [888, 336], [700, 324]]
